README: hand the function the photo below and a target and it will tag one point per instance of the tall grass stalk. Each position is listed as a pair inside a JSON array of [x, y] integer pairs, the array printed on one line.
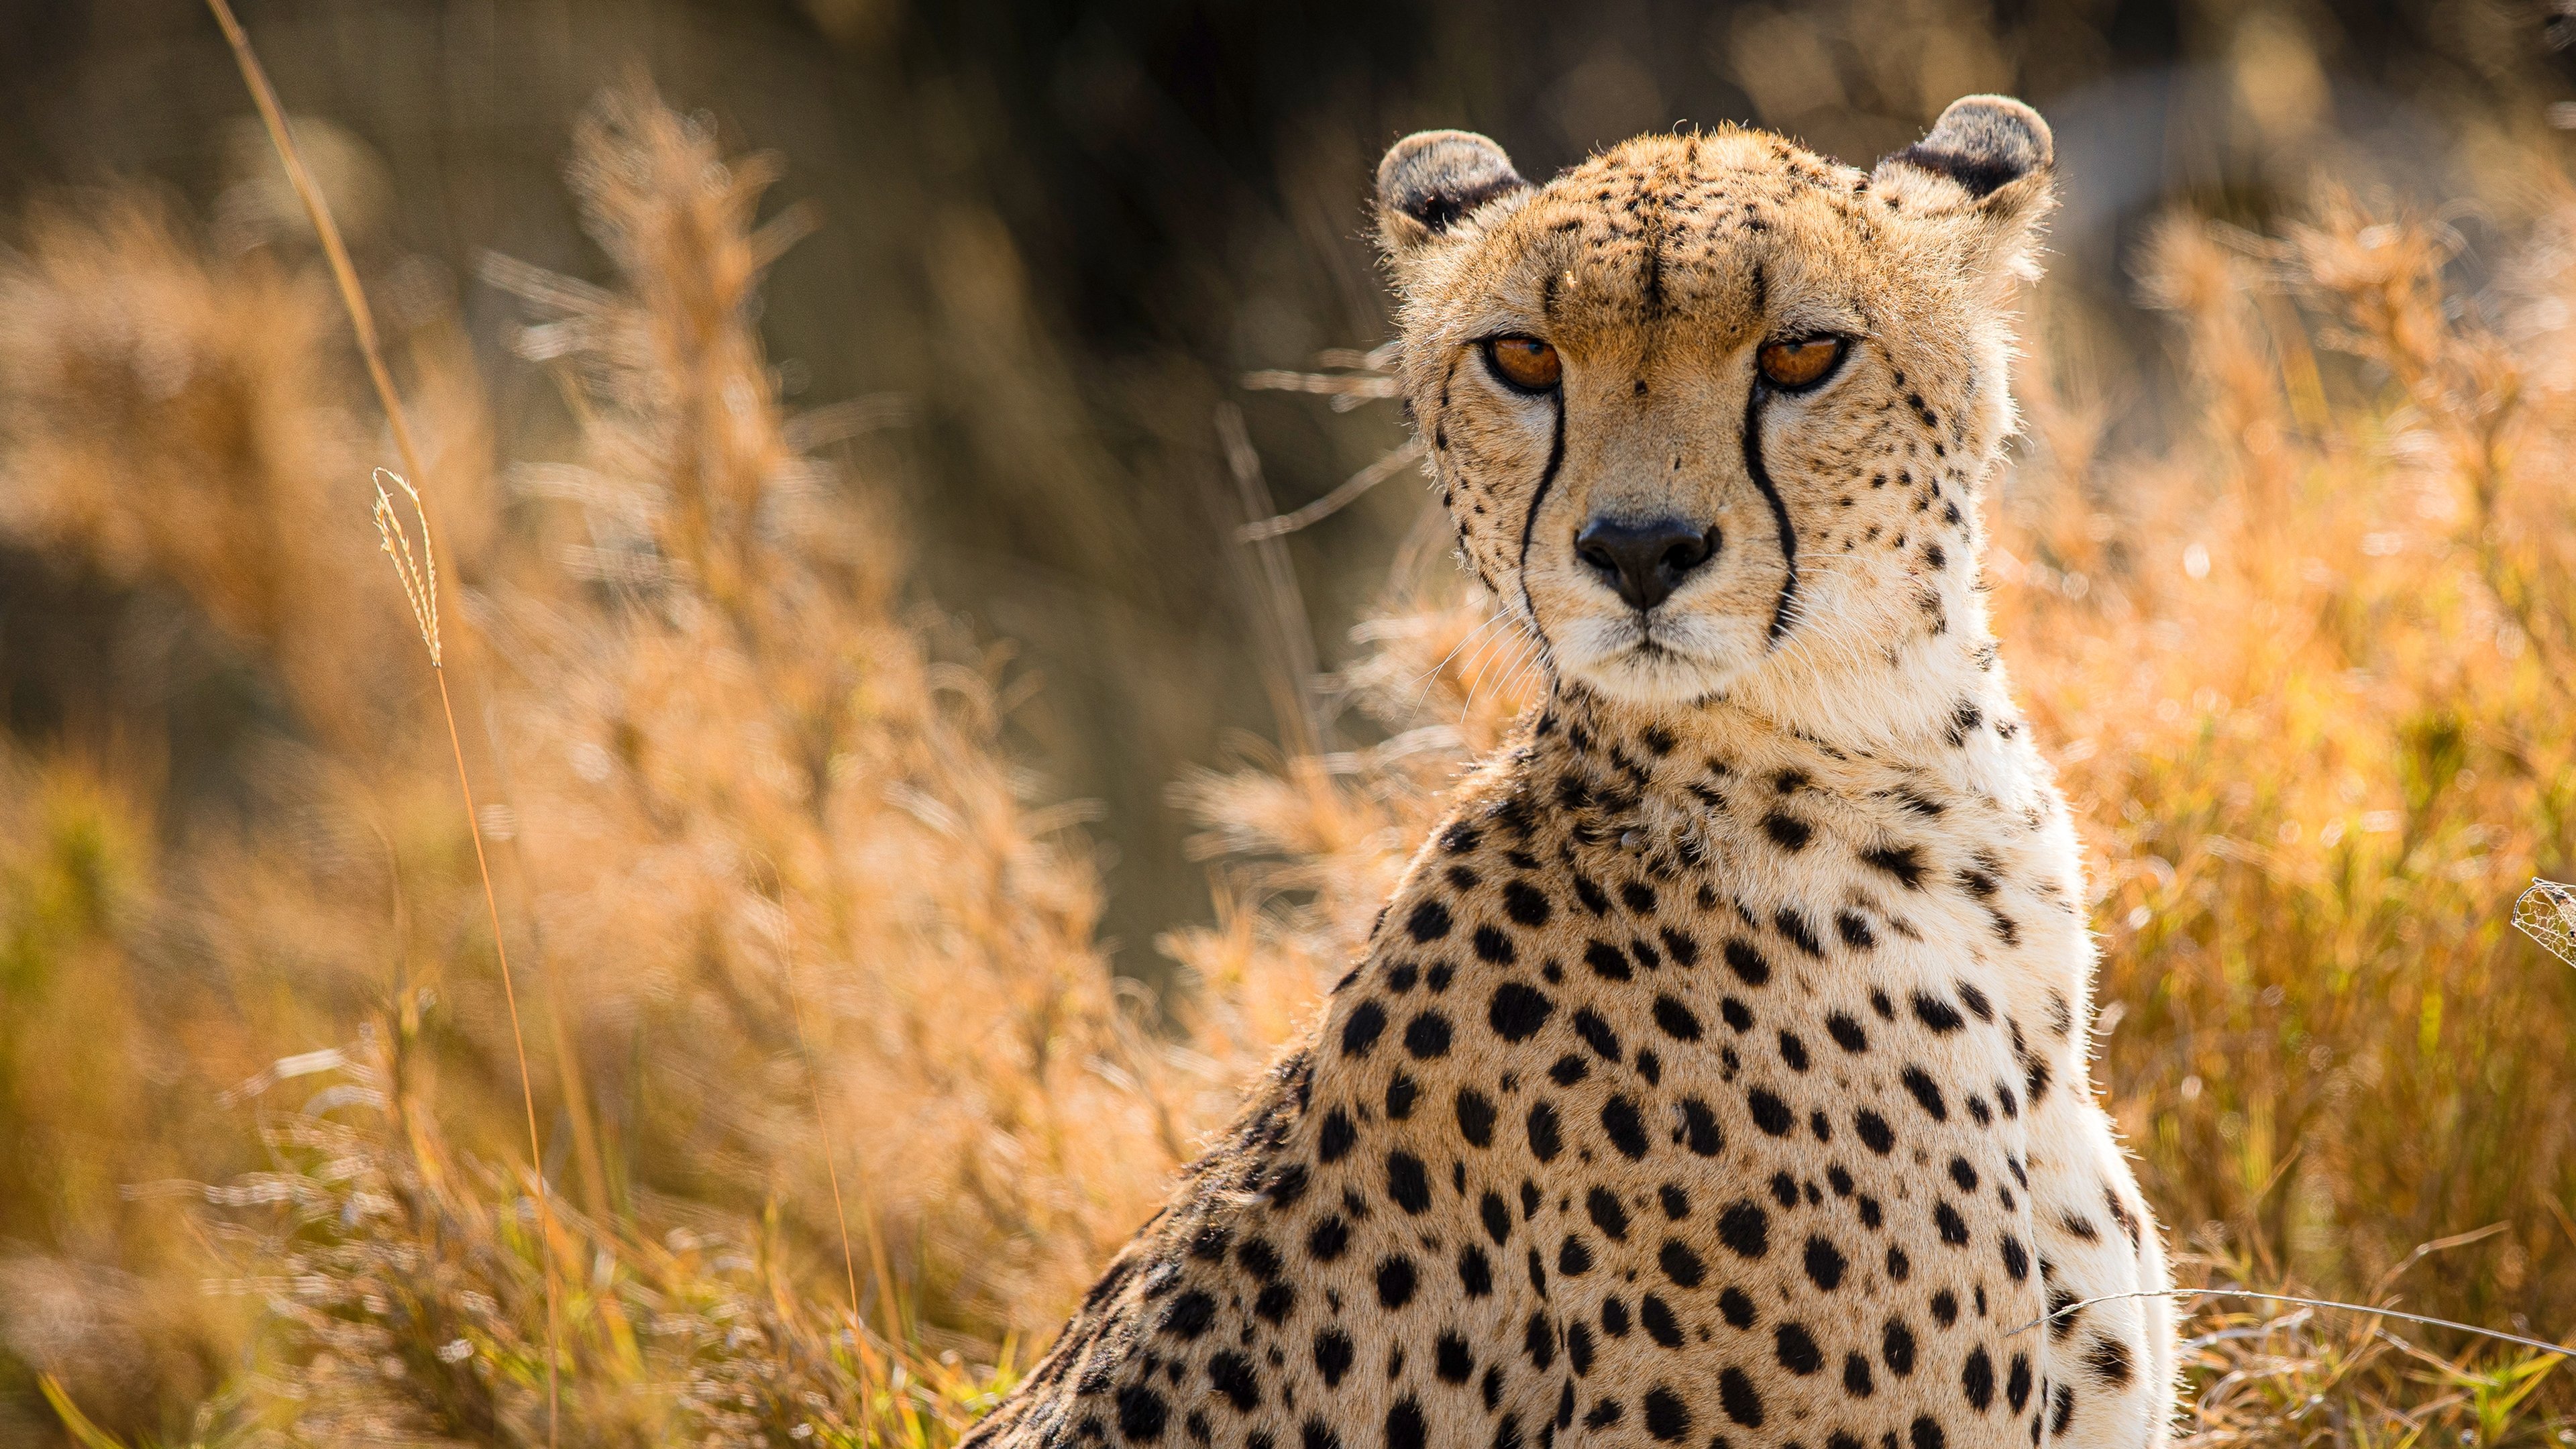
[[423, 592]]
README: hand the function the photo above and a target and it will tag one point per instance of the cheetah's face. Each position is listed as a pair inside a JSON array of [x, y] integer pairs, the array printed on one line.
[[1710, 412]]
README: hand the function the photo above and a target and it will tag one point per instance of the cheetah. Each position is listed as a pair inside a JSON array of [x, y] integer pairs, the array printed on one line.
[[1716, 1076]]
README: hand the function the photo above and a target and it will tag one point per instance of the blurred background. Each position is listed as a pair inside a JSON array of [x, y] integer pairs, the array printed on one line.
[[868, 613]]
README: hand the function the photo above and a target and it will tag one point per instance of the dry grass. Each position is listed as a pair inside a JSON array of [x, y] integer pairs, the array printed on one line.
[[815, 959]]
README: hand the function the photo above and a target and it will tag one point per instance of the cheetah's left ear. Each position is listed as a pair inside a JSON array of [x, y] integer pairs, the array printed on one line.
[[1430, 182], [1990, 163]]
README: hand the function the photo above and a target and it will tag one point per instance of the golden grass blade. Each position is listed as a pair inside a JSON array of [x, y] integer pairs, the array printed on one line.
[[2539, 1343], [420, 587], [84, 1432]]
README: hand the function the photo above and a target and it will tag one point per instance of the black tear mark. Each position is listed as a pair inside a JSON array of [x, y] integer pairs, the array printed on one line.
[[1753, 401], [1529, 522]]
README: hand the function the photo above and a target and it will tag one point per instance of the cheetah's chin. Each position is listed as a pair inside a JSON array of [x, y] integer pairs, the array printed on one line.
[[1668, 664]]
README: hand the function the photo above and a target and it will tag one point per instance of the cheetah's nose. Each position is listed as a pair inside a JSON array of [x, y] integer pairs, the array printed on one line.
[[1646, 561]]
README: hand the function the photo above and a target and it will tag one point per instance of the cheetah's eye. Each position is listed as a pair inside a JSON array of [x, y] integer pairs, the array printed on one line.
[[1524, 362], [1798, 362]]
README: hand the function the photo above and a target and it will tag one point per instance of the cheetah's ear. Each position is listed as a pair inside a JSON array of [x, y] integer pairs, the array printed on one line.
[[1430, 181], [1989, 162]]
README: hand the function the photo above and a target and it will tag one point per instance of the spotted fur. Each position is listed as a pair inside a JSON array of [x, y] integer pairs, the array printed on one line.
[[1717, 1074]]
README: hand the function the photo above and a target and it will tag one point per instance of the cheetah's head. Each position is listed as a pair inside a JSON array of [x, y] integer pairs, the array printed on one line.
[[1711, 412]]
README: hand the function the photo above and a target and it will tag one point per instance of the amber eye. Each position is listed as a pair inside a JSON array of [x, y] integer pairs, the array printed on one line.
[[1799, 362], [1524, 362]]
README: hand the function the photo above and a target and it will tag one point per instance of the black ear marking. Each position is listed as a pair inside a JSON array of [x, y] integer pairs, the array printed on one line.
[[1984, 143], [1436, 177]]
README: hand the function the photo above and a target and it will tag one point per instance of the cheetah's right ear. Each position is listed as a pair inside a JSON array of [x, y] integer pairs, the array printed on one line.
[[1985, 172], [1430, 181]]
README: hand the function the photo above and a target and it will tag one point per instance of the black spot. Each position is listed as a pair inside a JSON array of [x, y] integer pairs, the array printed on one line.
[[1231, 1374], [1400, 1094], [1927, 1093], [1639, 897], [1596, 1034], [1747, 963], [1141, 1413], [1627, 1131], [1603, 1414], [1945, 1308], [1603, 1207], [1680, 1264], [1427, 1036], [1736, 1396], [2109, 1360], [1395, 1282], [1787, 831], [1525, 904], [1977, 1379], [1258, 1258], [1578, 1347], [1854, 931], [1963, 1174], [2061, 1408], [1899, 1266], [1699, 1128], [1360, 1032], [1493, 947], [1516, 1014], [1475, 1272], [1978, 1005], [1573, 1258], [1954, 1229], [1591, 896], [1315, 1434], [1874, 1131], [1334, 1352], [1329, 1240], [1737, 1305], [1286, 1185], [1685, 951], [1676, 1019], [1824, 1264], [1800, 934], [1857, 1379], [1407, 1182], [1546, 1137], [1925, 1433], [1901, 861], [1796, 1349], [1667, 1417], [1769, 1112], [1568, 1070], [1429, 921], [1334, 1140], [2017, 1383], [1538, 1340], [1661, 1326], [2016, 1258], [1188, 1316], [1405, 1428], [1793, 1051], [1745, 1229], [1937, 1014], [1475, 1117], [1739, 1017], [1451, 1360], [1607, 961], [1896, 1347]]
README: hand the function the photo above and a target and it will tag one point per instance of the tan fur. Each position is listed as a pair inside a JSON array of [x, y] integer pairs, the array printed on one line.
[[1717, 1076]]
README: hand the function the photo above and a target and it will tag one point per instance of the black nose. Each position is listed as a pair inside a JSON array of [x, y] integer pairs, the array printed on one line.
[[1646, 561]]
